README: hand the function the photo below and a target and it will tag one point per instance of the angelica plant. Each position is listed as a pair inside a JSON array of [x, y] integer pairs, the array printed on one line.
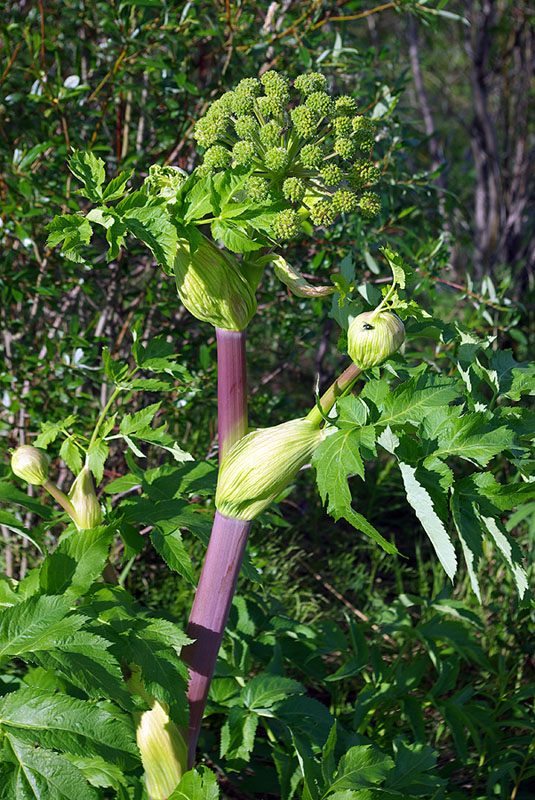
[[279, 157]]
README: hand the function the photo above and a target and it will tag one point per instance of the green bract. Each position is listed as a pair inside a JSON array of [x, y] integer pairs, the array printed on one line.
[[88, 513], [30, 464], [163, 751], [261, 464], [211, 286], [373, 337]]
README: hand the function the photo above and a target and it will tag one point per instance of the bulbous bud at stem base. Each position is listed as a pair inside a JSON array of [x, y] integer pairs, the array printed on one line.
[[88, 513], [163, 751], [373, 337], [261, 464], [30, 464], [211, 286]]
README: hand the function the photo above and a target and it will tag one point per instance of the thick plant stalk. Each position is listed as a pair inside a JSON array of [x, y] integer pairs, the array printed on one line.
[[210, 613], [231, 388], [227, 544]]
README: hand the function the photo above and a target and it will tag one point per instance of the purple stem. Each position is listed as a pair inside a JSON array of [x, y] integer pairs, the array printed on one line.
[[231, 388], [227, 544], [210, 613]]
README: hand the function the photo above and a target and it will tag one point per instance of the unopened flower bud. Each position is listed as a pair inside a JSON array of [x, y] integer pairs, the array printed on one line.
[[163, 751], [88, 513], [30, 464], [373, 337], [261, 464], [211, 286]]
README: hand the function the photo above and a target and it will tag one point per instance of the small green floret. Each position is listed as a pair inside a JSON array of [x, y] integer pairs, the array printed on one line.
[[249, 86], [311, 82], [320, 103], [276, 159], [246, 127], [331, 174], [285, 225], [270, 134], [304, 121], [216, 157], [257, 189], [243, 153], [343, 126], [363, 173], [369, 205], [344, 200], [363, 133], [345, 106], [311, 155], [293, 189], [344, 147], [322, 212], [242, 104]]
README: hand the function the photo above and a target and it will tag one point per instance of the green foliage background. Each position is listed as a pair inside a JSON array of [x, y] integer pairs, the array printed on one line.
[[393, 653]]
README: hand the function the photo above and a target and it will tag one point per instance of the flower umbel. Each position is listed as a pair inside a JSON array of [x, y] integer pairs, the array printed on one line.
[[298, 142]]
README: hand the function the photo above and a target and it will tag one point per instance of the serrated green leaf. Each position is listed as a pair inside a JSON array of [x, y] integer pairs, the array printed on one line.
[[263, 691], [430, 506], [509, 550], [413, 400], [470, 436], [238, 734], [85, 660], [116, 187], [98, 772], [197, 784], [96, 458], [13, 524], [73, 232], [148, 220], [401, 271], [77, 561], [25, 626], [360, 768], [337, 457], [470, 533], [164, 674], [235, 238], [59, 722], [89, 169], [70, 453], [131, 423], [44, 775]]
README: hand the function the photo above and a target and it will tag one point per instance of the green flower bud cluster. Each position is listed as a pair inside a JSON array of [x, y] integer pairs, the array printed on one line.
[[299, 143]]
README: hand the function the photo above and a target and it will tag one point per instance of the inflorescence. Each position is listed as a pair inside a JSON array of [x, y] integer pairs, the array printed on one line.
[[311, 149]]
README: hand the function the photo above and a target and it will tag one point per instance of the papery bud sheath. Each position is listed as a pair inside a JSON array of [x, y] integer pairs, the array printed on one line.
[[211, 286], [373, 337], [261, 464], [30, 464], [163, 751], [88, 513]]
